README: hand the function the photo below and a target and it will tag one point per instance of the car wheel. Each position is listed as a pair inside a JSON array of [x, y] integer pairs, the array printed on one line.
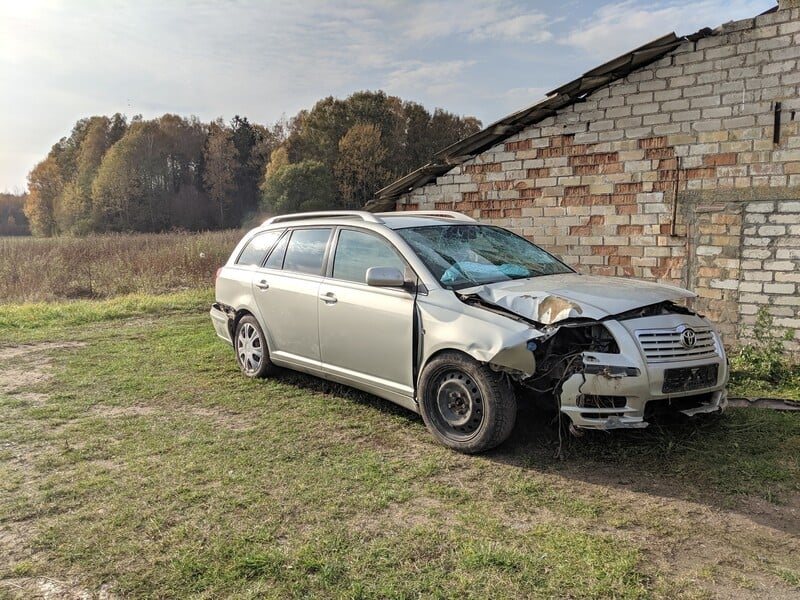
[[465, 405], [251, 348]]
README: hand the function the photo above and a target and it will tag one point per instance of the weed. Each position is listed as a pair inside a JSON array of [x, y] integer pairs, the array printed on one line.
[[764, 364]]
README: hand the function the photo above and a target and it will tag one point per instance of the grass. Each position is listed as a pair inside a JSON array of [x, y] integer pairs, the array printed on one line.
[[141, 461]]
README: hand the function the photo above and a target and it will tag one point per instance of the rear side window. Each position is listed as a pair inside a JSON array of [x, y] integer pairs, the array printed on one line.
[[306, 251], [256, 249]]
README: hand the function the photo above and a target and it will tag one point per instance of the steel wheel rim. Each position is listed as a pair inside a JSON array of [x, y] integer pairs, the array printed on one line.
[[249, 348], [459, 405]]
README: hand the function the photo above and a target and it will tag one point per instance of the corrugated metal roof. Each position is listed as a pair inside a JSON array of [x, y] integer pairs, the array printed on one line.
[[557, 99]]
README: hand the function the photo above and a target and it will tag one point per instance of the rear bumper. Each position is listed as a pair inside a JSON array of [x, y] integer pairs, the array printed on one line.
[[221, 321]]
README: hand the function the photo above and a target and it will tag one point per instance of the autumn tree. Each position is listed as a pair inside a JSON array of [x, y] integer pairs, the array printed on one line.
[[359, 169], [45, 185], [221, 164], [307, 185]]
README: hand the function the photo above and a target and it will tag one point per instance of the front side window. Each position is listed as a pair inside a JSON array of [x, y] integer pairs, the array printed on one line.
[[357, 251], [256, 249], [461, 256], [306, 251]]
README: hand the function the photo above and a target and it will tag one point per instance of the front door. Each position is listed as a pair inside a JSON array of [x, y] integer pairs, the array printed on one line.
[[366, 333]]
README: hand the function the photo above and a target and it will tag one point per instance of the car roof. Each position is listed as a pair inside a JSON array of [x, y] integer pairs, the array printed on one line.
[[392, 220]]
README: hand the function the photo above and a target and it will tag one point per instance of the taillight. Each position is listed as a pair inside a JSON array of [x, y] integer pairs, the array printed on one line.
[[216, 275]]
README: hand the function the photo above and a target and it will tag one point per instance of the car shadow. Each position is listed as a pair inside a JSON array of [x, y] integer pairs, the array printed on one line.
[[674, 457], [704, 460]]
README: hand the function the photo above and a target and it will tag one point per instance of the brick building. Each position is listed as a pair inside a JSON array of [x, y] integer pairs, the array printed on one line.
[[678, 162]]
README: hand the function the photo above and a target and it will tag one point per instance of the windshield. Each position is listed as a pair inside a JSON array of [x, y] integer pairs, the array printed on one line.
[[461, 256]]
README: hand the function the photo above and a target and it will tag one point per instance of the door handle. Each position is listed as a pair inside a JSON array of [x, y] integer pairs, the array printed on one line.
[[328, 298], [262, 285]]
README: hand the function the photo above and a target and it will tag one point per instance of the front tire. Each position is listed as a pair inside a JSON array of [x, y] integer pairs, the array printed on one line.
[[250, 345], [465, 405]]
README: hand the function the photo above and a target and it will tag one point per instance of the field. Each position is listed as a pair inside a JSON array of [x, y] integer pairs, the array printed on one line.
[[43, 270], [136, 462]]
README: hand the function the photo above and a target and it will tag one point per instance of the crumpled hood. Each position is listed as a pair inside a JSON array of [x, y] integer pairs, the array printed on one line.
[[552, 298]]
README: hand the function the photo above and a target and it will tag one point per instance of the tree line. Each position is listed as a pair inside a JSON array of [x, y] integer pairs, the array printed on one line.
[[174, 172]]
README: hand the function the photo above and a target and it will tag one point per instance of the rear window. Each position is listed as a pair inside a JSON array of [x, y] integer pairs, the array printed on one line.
[[255, 251]]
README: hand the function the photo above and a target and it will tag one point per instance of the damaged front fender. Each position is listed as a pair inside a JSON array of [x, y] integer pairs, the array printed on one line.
[[501, 342]]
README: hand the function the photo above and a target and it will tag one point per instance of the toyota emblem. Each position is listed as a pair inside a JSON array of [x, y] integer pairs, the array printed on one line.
[[688, 338]]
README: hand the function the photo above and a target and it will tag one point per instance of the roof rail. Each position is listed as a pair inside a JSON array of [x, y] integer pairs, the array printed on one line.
[[328, 214], [442, 214]]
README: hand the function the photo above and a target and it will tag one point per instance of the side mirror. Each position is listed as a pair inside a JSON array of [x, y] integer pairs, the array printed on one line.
[[385, 277]]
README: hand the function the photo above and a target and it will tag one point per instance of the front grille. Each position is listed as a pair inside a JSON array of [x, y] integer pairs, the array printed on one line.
[[667, 345]]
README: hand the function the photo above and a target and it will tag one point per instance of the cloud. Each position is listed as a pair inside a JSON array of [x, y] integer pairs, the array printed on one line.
[[527, 27], [436, 77], [477, 20], [622, 26]]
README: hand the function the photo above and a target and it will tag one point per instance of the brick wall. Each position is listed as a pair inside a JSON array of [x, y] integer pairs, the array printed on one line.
[[670, 174]]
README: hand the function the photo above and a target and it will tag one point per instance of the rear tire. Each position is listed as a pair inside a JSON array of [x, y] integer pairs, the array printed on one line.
[[250, 345], [465, 405]]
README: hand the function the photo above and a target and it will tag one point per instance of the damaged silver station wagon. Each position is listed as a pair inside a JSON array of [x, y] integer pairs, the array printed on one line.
[[457, 320]]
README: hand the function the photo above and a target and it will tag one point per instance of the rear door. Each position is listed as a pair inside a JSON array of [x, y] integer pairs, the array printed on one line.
[[287, 294], [366, 333]]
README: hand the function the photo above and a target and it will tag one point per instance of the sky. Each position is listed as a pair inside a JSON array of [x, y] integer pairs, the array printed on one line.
[[63, 60]]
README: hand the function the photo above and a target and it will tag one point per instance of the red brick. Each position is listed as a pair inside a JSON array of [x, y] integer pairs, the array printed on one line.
[[492, 214], [520, 145], [576, 150], [659, 153], [530, 193], [608, 168], [583, 159], [623, 199], [586, 169], [619, 260], [576, 190], [627, 209], [630, 230], [702, 173], [575, 201], [558, 141], [597, 220], [550, 152], [668, 164], [654, 142], [628, 188], [484, 168], [542, 172], [471, 196], [606, 157], [512, 212], [580, 230], [716, 160], [604, 250]]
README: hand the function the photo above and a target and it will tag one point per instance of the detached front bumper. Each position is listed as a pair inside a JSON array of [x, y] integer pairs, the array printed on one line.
[[610, 396]]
